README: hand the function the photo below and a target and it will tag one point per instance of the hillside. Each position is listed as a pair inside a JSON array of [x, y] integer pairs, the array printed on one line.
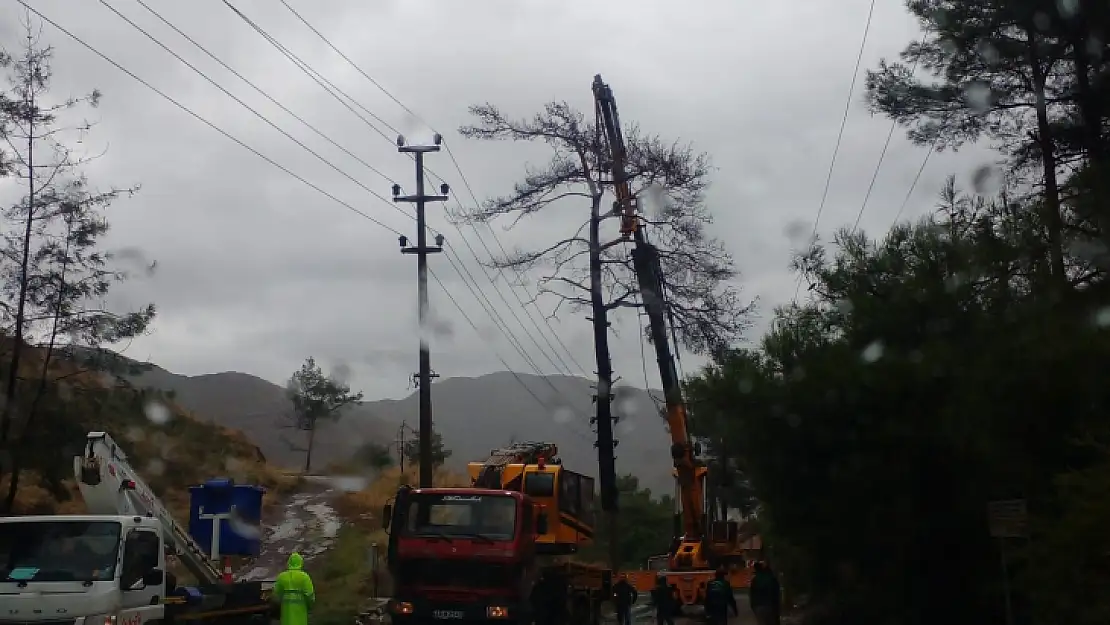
[[469, 422], [170, 448], [261, 410]]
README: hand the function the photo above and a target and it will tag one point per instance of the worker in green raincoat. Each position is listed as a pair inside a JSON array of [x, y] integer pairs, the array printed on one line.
[[293, 591]]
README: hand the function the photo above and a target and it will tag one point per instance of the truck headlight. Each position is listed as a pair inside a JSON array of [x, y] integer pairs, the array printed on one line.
[[401, 607], [497, 611]]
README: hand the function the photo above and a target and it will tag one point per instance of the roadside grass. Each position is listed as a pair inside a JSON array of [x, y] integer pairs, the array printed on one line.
[[343, 576]]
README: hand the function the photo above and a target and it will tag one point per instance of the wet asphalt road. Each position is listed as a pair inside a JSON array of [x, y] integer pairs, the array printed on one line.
[[643, 613]]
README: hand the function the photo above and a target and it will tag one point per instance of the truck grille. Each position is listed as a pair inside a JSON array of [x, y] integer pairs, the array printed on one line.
[[456, 573]]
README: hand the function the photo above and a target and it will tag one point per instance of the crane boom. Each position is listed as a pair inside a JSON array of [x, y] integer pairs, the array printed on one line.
[[645, 259], [111, 486]]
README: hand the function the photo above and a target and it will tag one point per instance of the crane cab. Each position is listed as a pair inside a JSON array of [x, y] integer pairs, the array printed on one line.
[[565, 497]]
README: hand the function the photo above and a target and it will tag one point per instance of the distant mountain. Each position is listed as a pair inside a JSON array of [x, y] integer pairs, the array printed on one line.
[[261, 410], [474, 415]]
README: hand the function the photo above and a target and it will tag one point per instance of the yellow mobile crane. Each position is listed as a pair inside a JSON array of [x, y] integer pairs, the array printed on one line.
[[697, 551], [565, 497]]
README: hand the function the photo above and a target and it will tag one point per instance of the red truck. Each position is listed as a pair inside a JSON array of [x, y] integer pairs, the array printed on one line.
[[469, 555], [461, 554]]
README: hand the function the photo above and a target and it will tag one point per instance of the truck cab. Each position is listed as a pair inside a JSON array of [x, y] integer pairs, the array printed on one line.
[[462, 554], [81, 569]]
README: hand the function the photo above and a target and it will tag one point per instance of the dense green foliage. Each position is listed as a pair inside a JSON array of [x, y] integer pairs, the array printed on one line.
[[317, 399], [645, 526], [954, 361], [440, 454]]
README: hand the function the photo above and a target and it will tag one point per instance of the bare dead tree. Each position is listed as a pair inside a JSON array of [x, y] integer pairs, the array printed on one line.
[[704, 303]]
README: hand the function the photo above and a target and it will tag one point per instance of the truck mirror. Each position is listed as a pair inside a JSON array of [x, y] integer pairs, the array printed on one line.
[[153, 577], [541, 524], [387, 514]]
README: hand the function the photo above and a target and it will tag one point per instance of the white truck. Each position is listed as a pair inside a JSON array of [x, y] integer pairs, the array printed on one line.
[[109, 567]]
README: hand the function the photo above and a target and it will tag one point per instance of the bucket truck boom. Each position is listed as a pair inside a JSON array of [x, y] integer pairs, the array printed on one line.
[[110, 486], [108, 567]]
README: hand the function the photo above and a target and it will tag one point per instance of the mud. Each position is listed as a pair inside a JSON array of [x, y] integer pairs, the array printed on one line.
[[306, 523]]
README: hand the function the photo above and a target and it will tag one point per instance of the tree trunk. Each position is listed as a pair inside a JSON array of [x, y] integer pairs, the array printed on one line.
[[13, 483], [1053, 220], [308, 452], [604, 413], [11, 387]]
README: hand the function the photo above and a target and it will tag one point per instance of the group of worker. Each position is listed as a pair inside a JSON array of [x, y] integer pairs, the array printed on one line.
[[764, 596], [295, 596]]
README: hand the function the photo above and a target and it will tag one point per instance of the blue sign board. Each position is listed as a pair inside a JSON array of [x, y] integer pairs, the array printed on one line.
[[238, 510]]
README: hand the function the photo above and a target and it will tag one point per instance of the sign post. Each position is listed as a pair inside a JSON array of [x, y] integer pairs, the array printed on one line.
[[373, 557], [1007, 519]]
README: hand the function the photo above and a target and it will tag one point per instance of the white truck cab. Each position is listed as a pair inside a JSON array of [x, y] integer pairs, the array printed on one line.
[[81, 570]]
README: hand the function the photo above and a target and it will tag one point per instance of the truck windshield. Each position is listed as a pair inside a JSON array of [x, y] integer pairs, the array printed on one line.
[[489, 516], [58, 551]]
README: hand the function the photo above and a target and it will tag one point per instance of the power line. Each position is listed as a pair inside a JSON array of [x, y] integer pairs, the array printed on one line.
[[239, 142], [204, 121], [329, 86], [352, 63], [333, 90], [840, 134], [878, 165], [477, 331], [460, 268], [259, 89], [317, 77], [248, 107], [466, 184], [874, 176], [913, 185], [264, 118]]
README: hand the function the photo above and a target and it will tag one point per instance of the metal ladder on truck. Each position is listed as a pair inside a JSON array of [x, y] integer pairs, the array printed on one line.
[[516, 453], [111, 486]]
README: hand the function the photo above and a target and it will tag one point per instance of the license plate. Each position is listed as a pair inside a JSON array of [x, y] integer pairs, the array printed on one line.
[[447, 614]]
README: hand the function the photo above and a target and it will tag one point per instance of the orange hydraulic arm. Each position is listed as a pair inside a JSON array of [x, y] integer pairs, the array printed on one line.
[[645, 258]]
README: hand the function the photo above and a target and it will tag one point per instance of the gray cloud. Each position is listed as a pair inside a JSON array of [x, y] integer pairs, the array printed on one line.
[[257, 271]]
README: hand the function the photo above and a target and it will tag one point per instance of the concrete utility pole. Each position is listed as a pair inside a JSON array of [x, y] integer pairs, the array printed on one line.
[[422, 249]]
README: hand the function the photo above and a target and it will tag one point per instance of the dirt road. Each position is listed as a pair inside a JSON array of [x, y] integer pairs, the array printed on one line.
[[306, 523]]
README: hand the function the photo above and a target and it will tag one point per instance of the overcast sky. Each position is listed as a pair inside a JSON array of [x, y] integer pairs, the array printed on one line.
[[257, 270]]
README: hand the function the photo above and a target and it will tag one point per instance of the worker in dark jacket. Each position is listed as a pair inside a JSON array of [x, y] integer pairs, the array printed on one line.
[[719, 598], [765, 595], [548, 600], [624, 595], [664, 598]]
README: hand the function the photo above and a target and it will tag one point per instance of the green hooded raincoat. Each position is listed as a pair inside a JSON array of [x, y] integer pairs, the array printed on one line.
[[293, 589]]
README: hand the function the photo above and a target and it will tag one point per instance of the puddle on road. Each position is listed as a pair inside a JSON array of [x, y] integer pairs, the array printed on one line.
[[308, 524]]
